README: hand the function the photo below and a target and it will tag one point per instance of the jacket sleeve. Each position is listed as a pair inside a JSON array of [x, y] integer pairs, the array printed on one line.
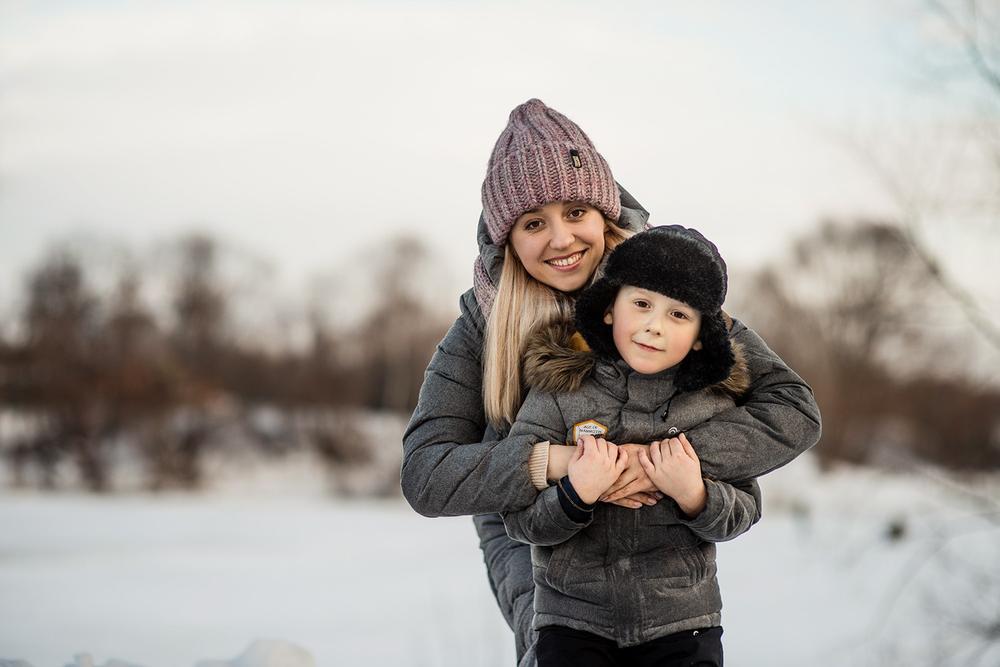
[[730, 511], [447, 470], [777, 421], [544, 522]]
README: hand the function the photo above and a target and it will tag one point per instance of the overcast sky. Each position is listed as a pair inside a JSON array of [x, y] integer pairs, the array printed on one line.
[[307, 131]]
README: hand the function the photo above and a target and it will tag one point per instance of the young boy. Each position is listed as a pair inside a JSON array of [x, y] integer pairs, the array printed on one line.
[[650, 360]]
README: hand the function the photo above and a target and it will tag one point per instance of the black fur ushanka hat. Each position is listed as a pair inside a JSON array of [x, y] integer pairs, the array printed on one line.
[[677, 262]]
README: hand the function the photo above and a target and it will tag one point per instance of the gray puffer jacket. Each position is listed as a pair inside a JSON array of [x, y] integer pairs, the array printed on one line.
[[628, 575]]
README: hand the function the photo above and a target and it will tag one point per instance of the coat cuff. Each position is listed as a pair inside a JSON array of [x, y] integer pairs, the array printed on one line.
[[538, 465], [706, 524], [575, 509]]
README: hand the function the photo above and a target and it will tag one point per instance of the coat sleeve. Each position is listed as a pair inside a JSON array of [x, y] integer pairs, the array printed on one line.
[[730, 511], [447, 469], [544, 522], [777, 421]]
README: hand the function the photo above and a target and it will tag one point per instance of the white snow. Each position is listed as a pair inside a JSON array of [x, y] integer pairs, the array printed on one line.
[[193, 580]]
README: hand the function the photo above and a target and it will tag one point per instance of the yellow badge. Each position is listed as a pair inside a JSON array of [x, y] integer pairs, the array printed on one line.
[[589, 427]]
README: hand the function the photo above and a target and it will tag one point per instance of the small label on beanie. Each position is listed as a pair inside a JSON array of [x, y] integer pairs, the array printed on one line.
[[575, 154], [589, 427]]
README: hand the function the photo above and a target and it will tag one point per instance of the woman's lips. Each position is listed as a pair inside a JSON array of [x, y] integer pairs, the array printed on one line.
[[566, 262]]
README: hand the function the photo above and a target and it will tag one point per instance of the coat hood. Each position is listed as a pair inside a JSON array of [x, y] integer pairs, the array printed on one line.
[[557, 359]]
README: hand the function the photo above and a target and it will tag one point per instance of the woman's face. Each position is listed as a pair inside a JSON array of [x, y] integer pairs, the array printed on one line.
[[560, 244]]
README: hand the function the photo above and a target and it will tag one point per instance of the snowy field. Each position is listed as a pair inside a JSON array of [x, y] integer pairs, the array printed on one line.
[[849, 568]]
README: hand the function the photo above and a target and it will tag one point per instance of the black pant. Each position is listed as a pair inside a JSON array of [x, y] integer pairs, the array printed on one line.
[[564, 647]]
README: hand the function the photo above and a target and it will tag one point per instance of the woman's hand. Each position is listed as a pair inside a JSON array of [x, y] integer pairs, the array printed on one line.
[[637, 500], [633, 481]]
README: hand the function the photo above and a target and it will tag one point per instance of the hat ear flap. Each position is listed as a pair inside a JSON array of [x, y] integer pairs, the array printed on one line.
[[591, 306], [713, 362]]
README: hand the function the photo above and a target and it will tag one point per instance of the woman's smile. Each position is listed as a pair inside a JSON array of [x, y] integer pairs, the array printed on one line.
[[566, 262]]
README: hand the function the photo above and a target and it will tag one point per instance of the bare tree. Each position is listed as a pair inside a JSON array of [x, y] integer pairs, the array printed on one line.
[[854, 311]]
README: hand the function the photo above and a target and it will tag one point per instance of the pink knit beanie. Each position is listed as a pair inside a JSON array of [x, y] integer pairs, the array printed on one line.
[[543, 157]]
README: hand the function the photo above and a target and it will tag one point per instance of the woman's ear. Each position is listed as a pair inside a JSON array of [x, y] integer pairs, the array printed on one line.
[[607, 317], [697, 345]]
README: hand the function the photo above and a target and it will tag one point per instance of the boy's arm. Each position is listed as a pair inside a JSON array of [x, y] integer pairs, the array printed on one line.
[[730, 510], [556, 515], [778, 420]]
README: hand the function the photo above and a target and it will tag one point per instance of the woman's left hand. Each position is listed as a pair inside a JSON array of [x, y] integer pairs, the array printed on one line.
[[637, 500], [633, 480]]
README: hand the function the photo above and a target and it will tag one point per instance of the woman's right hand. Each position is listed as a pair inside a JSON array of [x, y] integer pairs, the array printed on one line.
[[633, 483], [637, 500]]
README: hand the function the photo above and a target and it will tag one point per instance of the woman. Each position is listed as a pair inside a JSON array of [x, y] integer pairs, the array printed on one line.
[[551, 212]]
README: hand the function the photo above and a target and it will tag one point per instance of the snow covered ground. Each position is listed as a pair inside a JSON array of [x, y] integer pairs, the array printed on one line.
[[850, 568]]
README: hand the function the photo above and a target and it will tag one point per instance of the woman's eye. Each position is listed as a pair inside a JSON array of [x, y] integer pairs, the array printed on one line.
[[577, 213], [531, 225]]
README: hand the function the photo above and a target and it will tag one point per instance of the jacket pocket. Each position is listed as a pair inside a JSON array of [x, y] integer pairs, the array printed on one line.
[[672, 555]]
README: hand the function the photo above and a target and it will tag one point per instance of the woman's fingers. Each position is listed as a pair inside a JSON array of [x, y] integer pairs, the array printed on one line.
[[646, 464], [644, 498], [629, 475], [640, 485], [626, 502], [622, 461]]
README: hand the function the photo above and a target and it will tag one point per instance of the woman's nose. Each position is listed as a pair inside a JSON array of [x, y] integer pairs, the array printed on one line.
[[562, 235]]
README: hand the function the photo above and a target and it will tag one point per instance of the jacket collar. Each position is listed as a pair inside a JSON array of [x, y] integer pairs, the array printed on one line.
[[556, 359]]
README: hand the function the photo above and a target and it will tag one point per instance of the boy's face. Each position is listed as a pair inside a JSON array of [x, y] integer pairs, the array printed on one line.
[[651, 331]]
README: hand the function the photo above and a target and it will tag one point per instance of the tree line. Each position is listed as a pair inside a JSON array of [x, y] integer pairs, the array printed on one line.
[[86, 375]]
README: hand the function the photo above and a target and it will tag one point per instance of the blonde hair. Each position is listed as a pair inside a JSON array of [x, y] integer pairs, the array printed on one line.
[[521, 306]]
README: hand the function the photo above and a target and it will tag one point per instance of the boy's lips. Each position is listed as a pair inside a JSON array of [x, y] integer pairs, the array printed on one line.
[[648, 348]]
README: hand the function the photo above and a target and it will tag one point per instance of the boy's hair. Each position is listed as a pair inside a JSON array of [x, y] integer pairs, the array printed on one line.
[[677, 262], [521, 306]]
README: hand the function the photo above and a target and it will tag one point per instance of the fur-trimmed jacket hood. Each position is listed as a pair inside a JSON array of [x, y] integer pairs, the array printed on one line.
[[557, 359]]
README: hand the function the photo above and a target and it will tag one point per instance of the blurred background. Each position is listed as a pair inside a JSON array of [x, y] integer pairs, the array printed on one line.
[[231, 234]]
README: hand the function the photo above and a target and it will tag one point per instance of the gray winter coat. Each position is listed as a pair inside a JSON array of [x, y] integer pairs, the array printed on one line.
[[628, 575]]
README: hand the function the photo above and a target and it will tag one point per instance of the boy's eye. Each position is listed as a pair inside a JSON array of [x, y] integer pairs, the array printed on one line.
[[680, 315], [641, 303]]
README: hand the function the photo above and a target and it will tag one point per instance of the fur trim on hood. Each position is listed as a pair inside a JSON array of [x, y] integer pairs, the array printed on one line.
[[557, 359]]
